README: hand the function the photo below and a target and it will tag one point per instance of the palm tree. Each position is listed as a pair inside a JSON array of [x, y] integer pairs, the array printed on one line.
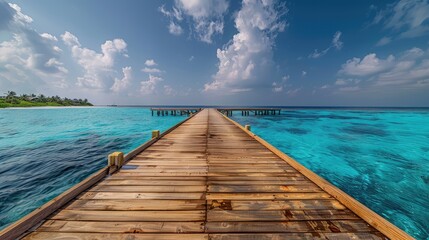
[[10, 94]]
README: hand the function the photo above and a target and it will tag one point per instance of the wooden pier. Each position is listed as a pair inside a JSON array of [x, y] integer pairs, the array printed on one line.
[[207, 178], [249, 111], [174, 111]]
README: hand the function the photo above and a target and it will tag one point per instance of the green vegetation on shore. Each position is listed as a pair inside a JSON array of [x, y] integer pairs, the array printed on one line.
[[31, 100]]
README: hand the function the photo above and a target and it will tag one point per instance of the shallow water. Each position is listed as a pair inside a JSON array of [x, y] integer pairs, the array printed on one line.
[[45, 151], [379, 157]]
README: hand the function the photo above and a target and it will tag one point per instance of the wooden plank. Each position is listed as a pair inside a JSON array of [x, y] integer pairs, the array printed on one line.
[[290, 226], [154, 189], [297, 236], [144, 182], [121, 227], [262, 189], [104, 236], [216, 215], [140, 195], [137, 205], [129, 216], [264, 205], [266, 196]]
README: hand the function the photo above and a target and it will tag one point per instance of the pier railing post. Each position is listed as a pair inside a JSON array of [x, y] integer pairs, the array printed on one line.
[[115, 161], [247, 127], [155, 134]]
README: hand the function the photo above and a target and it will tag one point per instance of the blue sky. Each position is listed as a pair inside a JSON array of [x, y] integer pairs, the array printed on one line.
[[195, 52]]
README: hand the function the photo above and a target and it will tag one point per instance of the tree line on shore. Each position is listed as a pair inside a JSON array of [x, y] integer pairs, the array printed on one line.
[[11, 98]]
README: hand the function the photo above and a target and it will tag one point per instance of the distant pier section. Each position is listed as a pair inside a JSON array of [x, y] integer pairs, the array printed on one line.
[[248, 111], [174, 111]]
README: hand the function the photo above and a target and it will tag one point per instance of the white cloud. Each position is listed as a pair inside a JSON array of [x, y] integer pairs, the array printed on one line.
[[245, 58], [370, 64], [150, 63], [206, 17], [28, 53], [384, 41], [70, 39], [148, 86], [97, 66], [410, 68], [151, 70], [279, 86], [175, 29], [335, 43], [124, 83], [408, 18], [49, 37], [19, 16]]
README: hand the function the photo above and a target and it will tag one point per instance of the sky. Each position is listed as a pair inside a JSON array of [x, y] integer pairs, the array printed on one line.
[[218, 52]]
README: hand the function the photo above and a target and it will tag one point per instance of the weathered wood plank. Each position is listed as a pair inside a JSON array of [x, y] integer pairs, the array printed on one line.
[[121, 227], [290, 226], [266, 196], [140, 195], [104, 236], [262, 189], [137, 205], [265, 205], [129, 216], [219, 215], [153, 189], [297, 236]]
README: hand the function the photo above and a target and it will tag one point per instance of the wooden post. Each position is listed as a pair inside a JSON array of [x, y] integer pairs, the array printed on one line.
[[155, 134], [115, 161], [247, 127]]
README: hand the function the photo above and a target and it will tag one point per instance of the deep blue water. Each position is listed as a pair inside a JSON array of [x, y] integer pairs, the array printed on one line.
[[380, 157], [45, 151]]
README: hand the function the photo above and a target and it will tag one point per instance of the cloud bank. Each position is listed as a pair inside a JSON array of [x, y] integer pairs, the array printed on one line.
[[244, 59]]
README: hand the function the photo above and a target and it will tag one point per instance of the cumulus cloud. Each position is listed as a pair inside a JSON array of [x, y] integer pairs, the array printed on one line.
[[370, 64], [243, 60], [29, 52], [148, 86], [407, 18], [206, 17], [122, 84], [97, 66], [151, 70], [150, 63], [335, 43], [70, 39], [410, 68]]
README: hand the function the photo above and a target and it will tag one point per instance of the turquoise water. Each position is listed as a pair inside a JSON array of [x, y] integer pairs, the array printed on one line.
[[379, 157], [45, 151]]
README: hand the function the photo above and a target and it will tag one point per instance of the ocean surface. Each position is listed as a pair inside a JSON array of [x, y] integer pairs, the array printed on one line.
[[378, 156], [45, 151]]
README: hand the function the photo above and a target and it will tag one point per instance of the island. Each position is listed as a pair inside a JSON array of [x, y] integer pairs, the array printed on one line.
[[11, 99]]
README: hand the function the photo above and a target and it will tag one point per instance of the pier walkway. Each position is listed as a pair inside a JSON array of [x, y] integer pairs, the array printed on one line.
[[211, 179]]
